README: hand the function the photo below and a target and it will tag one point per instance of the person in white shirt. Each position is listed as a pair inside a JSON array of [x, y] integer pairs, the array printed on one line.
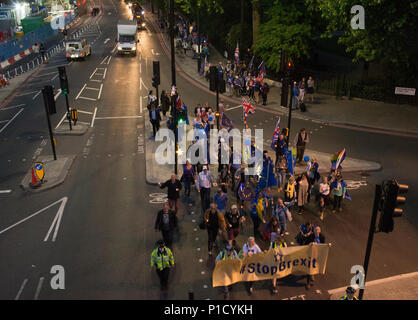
[[324, 190], [211, 118], [204, 184], [248, 250]]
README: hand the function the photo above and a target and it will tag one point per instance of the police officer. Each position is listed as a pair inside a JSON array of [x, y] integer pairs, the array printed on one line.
[[162, 258], [227, 253], [350, 294]]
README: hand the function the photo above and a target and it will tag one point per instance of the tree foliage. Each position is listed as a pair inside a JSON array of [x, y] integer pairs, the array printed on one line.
[[390, 34], [285, 30]]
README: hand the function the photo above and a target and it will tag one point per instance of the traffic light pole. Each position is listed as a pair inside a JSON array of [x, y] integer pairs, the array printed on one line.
[[217, 105], [372, 230], [68, 111], [289, 118], [173, 78], [49, 124]]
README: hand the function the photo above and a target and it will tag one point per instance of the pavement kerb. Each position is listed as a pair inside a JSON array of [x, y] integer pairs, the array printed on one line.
[[325, 120], [55, 172]]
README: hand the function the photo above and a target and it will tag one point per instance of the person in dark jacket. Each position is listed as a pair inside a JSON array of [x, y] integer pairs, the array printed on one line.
[[165, 102], [154, 117], [166, 222], [173, 191], [315, 237]]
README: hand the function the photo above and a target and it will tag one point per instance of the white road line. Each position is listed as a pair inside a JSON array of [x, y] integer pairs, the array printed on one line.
[[39, 287], [10, 121], [54, 77], [140, 105], [33, 215], [240, 106], [86, 112], [144, 84], [121, 117], [100, 92], [57, 221], [94, 117], [12, 107], [108, 61], [107, 40], [104, 76], [103, 60], [114, 49], [62, 120], [96, 80], [57, 95], [26, 93], [46, 74], [140, 83], [81, 91], [85, 98], [92, 88], [93, 73], [21, 289], [5, 191], [34, 97]]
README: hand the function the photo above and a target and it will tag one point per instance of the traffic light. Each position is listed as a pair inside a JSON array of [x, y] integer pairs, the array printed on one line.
[[63, 80], [289, 67], [390, 202], [213, 78], [156, 73], [49, 100], [181, 116]]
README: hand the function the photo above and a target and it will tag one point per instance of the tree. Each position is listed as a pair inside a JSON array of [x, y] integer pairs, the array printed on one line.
[[285, 30], [389, 37]]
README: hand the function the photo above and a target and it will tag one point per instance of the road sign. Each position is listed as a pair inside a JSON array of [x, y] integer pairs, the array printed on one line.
[[405, 91], [39, 169]]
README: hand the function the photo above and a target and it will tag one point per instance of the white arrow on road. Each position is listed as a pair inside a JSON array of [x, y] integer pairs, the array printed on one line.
[[56, 222], [107, 40], [154, 53]]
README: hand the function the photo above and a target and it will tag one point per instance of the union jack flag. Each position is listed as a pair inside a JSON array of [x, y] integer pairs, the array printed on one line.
[[247, 107], [236, 55]]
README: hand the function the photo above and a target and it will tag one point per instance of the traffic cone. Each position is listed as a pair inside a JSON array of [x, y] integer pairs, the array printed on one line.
[[35, 181]]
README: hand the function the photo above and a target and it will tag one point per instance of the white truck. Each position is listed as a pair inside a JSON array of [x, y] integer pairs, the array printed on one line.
[[127, 37]]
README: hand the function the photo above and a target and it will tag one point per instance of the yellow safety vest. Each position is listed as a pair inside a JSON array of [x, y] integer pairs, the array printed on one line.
[[162, 261], [346, 298]]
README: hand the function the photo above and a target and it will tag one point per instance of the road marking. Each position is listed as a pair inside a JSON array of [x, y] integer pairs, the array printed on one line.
[[104, 76], [240, 106], [85, 98], [104, 59], [93, 73], [10, 121], [54, 77], [92, 88], [61, 121], [5, 191], [26, 93], [46, 74], [12, 107], [57, 221], [121, 117], [140, 105], [108, 62], [39, 287], [94, 117], [33, 215], [81, 91], [100, 92], [154, 53], [141, 81], [86, 112], [158, 198], [21, 289], [34, 97], [107, 40], [57, 95], [100, 81]]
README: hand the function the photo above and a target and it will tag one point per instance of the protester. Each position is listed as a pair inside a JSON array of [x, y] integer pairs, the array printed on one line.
[[173, 191], [339, 188], [233, 219], [271, 230], [166, 222], [300, 141], [312, 171], [279, 211], [290, 192], [280, 147], [315, 237], [154, 117], [264, 90], [295, 94], [188, 177], [305, 231], [215, 223], [165, 102], [221, 200], [311, 88], [163, 260], [204, 183], [282, 173], [302, 90], [256, 218], [303, 192], [248, 250], [324, 191], [227, 253], [350, 294]]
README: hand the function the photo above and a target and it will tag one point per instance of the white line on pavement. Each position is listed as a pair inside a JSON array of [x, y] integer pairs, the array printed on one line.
[[26, 93], [5, 191], [10, 121], [38, 288], [57, 220], [12, 107], [57, 95], [46, 74], [96, 80], [100, 92], [34, 97], [140, 105], [92, 88], [121, 117], [240, 106], [21, 289], [93, 73], [85, 98], [61, 121], [108, 61], [54, 77], [144, 84], [34, 214], [104, 75], [107, 40], [86, 112], [94, 117], [81, 91]]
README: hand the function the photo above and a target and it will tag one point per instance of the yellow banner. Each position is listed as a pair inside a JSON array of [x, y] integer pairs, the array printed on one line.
[[275, 263]]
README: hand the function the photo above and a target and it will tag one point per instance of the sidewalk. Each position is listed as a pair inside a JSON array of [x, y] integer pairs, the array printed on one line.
[[401, 287], [358, 113]]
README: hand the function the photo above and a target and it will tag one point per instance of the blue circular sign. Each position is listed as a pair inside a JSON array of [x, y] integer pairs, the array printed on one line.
[[38, 166]]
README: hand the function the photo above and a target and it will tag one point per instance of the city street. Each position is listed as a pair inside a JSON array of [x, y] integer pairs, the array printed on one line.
[[99, 223]]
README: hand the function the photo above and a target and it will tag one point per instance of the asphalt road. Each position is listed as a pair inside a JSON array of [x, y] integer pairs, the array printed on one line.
[[105, 235]]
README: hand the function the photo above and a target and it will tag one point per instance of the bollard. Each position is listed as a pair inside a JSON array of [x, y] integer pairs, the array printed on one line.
[[21, 69], [27, 65], [8, 74], [191, 295], [15, 72]]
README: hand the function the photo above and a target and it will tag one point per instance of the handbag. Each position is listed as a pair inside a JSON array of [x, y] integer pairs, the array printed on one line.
[[289, 215]]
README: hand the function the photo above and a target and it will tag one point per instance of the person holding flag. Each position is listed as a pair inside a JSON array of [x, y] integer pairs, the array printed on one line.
[[247, 108], [236, 55], [339, 188], [336, 160]]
